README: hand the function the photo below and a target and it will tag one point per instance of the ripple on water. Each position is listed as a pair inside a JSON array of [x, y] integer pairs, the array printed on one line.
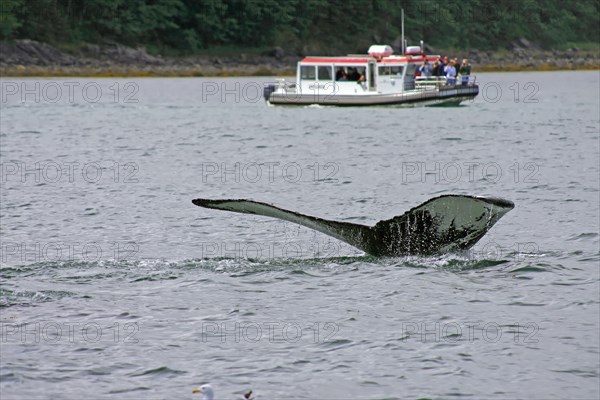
[[528, 268], [86, 272], [163, 371], [10, 297]]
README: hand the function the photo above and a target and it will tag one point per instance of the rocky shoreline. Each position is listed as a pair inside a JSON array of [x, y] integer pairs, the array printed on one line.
[[31, 58]]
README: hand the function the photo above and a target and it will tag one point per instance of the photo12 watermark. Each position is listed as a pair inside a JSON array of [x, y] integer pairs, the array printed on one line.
[[453, 332], [54, 172], [272, 250], [492, 92], [55, 332], [328, 91], [468, 171], [63, 251], [293, 245], [271, 332], [515, 252], [70, 92], [253, 92], [232, 91], [269, 172]]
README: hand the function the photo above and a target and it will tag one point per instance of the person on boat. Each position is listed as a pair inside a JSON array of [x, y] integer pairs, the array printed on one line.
[[426, 69], [363, 76], [353, 74], [465, 71], [456, 65], [443, 64], [450, 71], [436, 68], [340, 75]]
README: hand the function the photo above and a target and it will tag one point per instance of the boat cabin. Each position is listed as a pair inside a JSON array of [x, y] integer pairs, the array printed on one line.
[[378, 72]]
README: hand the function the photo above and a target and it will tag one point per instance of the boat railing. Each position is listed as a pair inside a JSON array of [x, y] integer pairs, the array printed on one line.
[[466, 80], [429, 82], [286, 85], [435, 82]]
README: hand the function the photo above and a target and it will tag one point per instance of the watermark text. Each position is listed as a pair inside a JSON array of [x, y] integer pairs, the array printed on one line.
[[53, 332], [50, 171], [34, 252], [453, 172], [70, 92], [269, 172], [290, 332]]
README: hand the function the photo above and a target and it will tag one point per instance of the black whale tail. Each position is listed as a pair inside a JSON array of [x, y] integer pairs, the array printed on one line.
[[443, 224], [353, 234]]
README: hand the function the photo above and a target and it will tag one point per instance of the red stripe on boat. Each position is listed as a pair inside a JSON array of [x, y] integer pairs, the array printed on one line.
[[366, 59]]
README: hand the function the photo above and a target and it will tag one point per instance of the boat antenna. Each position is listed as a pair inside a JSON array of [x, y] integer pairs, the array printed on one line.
[[402, 27]]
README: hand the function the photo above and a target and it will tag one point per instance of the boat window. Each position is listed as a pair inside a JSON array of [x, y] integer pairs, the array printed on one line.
[[324, 73], [308, 72], [349, 73], [386, 70], [341, 74]]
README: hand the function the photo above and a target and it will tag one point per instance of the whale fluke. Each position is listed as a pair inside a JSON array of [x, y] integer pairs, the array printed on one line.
[[442, 224]]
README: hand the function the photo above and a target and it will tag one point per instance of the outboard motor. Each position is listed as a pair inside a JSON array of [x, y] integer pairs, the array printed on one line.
[[268, 90]]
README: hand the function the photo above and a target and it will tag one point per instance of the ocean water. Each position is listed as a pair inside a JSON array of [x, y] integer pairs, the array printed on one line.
[[114, 285]]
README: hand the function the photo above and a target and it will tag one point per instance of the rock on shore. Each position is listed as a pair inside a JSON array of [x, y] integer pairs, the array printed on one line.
[[31, 58]]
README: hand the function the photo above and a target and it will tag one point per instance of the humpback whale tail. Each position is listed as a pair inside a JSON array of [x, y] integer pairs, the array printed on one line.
[[442, 224]]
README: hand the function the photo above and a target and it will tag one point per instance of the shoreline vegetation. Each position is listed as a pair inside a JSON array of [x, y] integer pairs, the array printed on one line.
[[129, 38], [28, 58]]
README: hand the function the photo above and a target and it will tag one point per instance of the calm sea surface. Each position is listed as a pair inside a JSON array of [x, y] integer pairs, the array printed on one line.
[[114, 285]]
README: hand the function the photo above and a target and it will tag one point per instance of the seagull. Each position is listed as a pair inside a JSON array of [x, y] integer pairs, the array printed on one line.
[[208, 393]]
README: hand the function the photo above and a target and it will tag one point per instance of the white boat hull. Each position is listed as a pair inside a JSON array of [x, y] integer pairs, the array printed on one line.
[[452, 95]]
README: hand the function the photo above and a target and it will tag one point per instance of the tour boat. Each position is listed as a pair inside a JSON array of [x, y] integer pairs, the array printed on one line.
[[376, 78]]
